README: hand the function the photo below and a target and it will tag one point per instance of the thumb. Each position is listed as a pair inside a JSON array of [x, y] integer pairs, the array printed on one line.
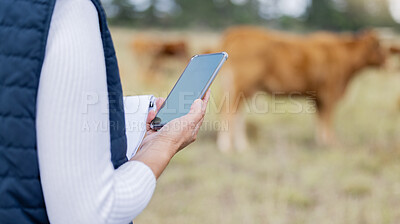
[[150, 116], [196, 107], [195, 113]]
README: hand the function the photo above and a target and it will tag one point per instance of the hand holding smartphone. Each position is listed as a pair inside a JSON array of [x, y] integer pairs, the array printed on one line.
[[192, 84]]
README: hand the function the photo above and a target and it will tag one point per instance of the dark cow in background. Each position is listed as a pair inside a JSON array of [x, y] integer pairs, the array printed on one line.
[[395, 50], [153, 53], [322, 64]]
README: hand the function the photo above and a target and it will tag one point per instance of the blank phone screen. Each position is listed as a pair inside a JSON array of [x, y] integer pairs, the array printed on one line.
[[189, 87]]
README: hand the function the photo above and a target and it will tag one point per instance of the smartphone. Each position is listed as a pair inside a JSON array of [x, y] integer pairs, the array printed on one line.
[[191, 85]]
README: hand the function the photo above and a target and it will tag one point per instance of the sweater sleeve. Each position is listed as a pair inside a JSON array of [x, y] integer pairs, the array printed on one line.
[[79, 182]]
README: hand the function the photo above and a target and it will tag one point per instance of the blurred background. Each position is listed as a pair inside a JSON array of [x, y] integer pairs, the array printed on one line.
[[283, 175]]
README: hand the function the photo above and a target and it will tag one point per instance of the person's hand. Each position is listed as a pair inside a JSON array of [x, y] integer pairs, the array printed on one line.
[[179, 132], [183, 131], [158, 147], [152, 114]]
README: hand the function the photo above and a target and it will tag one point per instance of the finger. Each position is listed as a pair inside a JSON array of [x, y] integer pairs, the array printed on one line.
[[207, 96], [205, 100], [159, 102], [195, 114], [150, 116], [196, 107]]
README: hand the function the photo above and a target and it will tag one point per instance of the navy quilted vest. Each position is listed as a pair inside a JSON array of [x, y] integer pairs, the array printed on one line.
[[24, 26]]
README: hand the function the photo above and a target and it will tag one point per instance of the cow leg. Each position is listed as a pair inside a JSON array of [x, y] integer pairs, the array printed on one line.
[[240, 137], [236, 132], [229, 114], [324, 133], [224, 139], [225, 136]]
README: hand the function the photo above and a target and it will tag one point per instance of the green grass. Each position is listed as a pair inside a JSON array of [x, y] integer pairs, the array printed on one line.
[[285, 177]]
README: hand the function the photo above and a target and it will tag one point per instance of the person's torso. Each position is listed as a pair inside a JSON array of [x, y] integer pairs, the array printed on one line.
[[24, 27]]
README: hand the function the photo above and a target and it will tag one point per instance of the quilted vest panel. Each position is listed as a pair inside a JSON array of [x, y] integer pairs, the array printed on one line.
[[24, 26]]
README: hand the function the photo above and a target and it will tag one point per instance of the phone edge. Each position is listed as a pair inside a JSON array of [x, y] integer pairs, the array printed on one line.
[[224, 59], [214, 74]]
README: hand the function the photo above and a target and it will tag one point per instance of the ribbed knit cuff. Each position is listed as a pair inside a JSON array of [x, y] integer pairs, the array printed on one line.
[[134, 186]]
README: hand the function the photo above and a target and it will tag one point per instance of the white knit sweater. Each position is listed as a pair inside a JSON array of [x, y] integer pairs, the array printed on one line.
[[79, 182]]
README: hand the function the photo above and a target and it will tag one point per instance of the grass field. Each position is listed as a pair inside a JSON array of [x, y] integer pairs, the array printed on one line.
[[284, 178]]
